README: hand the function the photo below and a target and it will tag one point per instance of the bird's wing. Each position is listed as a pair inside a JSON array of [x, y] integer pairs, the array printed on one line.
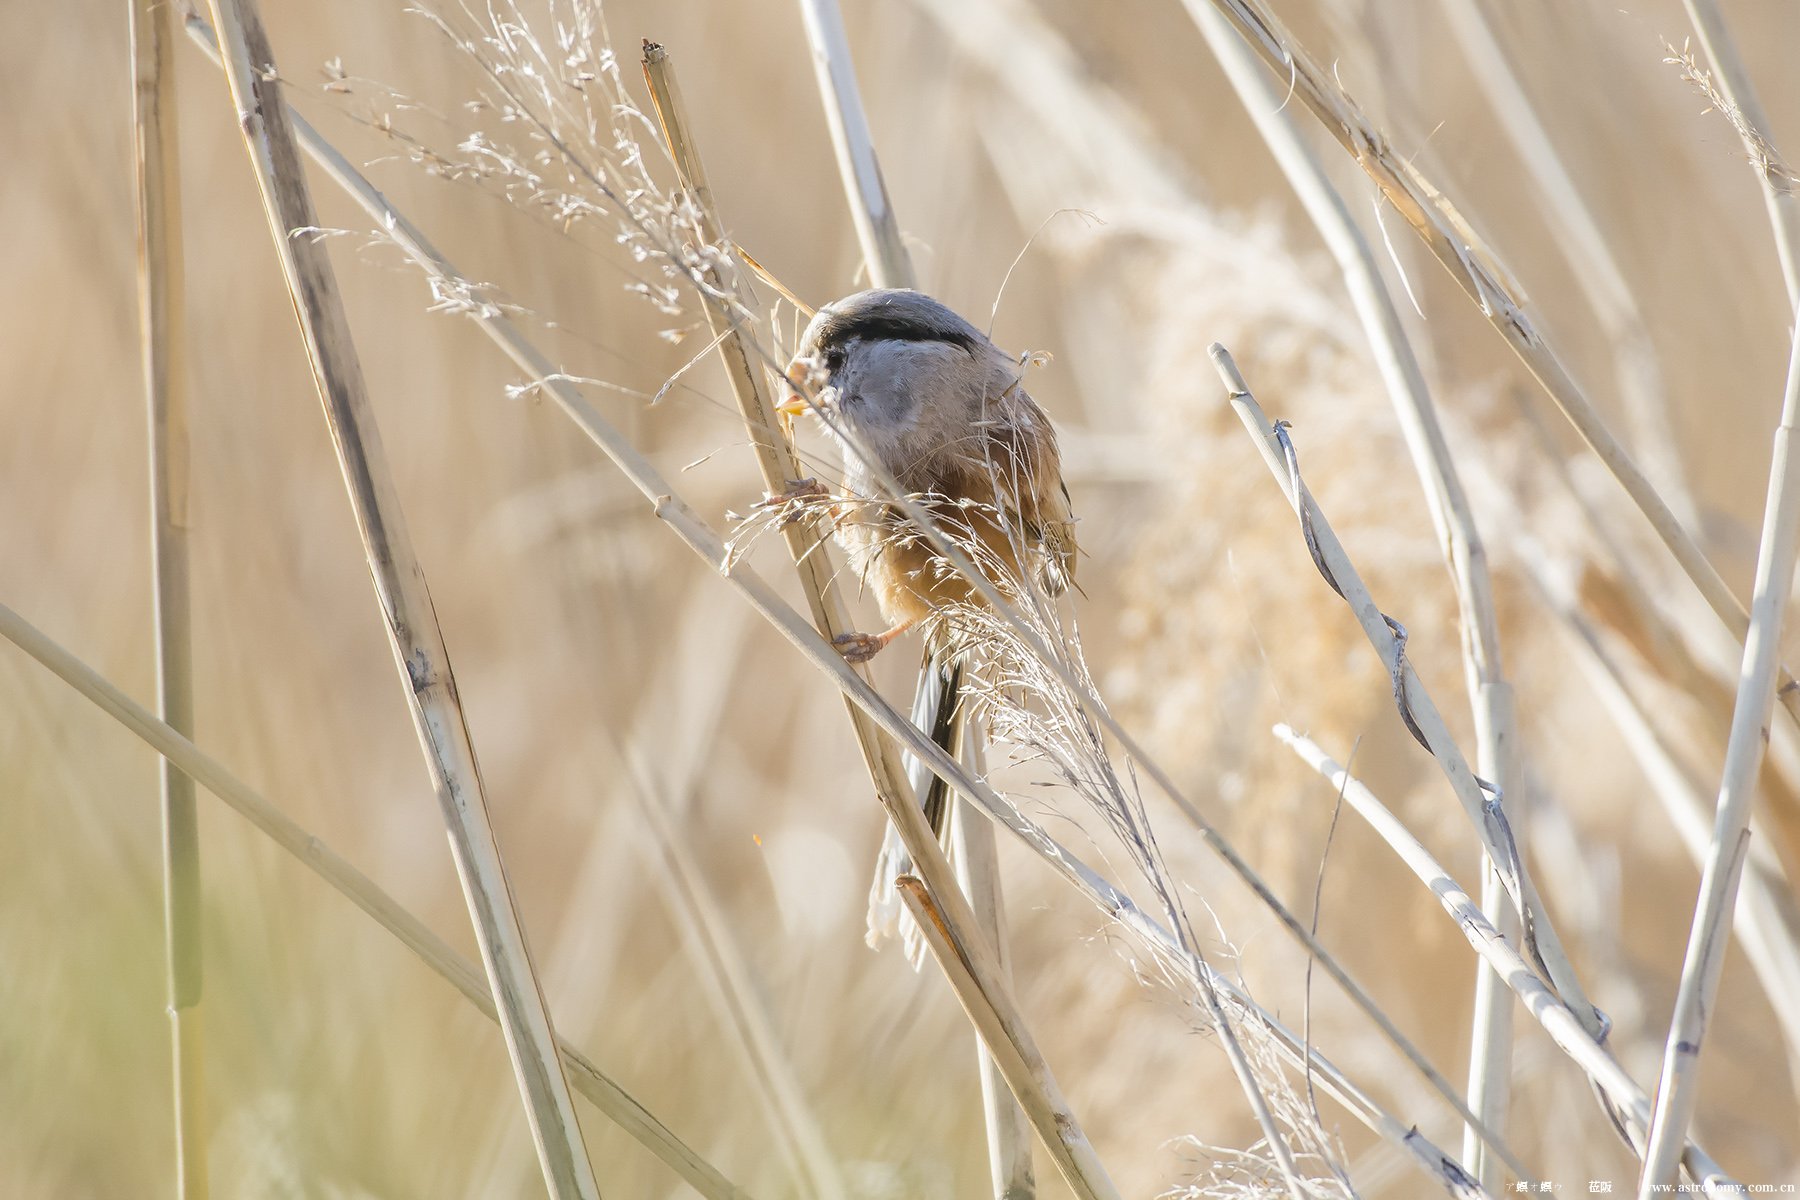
[[1032, 493], [1056, 534]]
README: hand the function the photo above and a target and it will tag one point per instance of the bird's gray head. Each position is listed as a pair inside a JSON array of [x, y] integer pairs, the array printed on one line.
[[866, 319]]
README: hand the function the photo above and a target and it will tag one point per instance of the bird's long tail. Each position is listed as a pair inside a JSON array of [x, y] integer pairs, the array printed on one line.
[[938, 712]]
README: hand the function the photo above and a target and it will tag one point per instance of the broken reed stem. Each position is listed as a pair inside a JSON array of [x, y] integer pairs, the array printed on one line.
[[405, 601], [1563, 1025], [1490, 696], [360, 890], [1575, 229], [975, 975], [1677, 1091], [1778, 185], [872, 212], [1488, 817], [1481, 274], [162, 314], [776, 461], [705, 543], [978, 870]]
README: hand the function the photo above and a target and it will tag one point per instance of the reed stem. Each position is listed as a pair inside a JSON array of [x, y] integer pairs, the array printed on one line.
[[162, 308], [411, 624]]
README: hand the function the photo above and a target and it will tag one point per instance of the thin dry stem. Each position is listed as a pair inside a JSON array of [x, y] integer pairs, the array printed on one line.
[[163, 337], [978, 870], [1481, 803], [877, 228], [1577, 231], [728, 977], [405, 602]]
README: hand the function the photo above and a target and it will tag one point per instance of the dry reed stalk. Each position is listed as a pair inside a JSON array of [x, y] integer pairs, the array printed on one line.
[[975, 974], [978, 870], [889, 265], [1484, 277], [1490, 695], [1421, 714], [163, 338], [705, 542], [1677, 1091], [779, 470], [360, 890], [405, 601], [1752, 123], [1563, 1025], [871, 211], [1575, 229]]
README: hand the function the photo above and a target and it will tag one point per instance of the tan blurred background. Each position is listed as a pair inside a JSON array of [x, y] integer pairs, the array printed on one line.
[[338, 1067]]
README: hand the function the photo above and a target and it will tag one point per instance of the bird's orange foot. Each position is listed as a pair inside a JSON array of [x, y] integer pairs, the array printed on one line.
[[861, 647]]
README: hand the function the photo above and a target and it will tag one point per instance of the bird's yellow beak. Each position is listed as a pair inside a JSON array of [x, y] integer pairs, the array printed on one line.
[[795, 404]]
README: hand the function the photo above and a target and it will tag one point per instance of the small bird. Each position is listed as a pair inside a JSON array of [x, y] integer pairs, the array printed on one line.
[[906, 385], [912, 391]]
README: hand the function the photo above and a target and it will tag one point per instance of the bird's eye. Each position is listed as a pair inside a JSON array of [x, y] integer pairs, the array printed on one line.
[[834, 360]]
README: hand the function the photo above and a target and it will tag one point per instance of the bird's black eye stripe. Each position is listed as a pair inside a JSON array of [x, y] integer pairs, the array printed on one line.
[[890, 327], [897, 329]]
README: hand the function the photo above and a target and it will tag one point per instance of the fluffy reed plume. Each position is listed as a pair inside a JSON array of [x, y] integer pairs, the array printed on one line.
[[1762, 156]]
